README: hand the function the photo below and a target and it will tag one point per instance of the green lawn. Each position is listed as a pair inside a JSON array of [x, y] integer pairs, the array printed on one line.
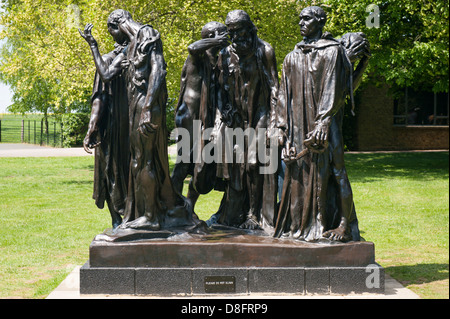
[[48, 219]]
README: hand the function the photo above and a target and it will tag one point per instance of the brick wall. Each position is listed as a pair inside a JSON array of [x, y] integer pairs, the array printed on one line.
[[376, 130]]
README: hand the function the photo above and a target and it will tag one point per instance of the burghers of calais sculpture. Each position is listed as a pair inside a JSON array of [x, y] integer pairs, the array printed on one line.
[[151, 203], [238, 89], [317, 77]]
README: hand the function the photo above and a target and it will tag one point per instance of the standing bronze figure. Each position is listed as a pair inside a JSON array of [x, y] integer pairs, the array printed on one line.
[[152, 202], [317, 76], [197, 106], [108, 134], [249, 84]]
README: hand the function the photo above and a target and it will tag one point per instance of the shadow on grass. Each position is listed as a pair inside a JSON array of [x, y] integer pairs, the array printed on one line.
[[72, 182], [419, 273], [369, 167]]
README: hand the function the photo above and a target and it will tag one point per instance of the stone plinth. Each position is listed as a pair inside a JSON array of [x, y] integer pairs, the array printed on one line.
[[227, 262]]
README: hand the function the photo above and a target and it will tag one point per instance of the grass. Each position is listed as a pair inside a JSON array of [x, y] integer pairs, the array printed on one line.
[[402, 202], [47, 222], [48, 219]]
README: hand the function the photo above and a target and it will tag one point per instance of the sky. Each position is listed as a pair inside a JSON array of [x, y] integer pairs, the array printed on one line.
[[5, 97], [5, 93]]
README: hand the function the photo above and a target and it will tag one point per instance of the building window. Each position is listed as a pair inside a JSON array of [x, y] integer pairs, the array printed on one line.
[[421, 108]]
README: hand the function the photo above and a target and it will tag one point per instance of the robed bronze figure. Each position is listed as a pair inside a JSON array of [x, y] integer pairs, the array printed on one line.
[[108, 134], [151, 203], [317, 76], [248, 87]]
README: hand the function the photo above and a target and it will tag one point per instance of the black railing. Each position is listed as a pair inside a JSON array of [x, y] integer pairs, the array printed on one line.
[[31, 131]]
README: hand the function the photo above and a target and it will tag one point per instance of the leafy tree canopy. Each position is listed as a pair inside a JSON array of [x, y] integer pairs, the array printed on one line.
[[49, 66]]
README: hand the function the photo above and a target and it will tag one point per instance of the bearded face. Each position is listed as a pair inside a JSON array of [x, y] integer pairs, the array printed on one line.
[[241, 37]]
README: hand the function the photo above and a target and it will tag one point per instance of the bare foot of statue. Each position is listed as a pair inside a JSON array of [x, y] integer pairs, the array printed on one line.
[[250, 223], [142, 223], [337, 234]]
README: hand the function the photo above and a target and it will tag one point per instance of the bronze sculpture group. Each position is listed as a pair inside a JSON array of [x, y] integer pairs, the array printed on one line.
[[229, 81]]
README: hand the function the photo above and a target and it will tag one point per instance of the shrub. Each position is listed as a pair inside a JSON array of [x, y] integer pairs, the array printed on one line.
[[74, 129]]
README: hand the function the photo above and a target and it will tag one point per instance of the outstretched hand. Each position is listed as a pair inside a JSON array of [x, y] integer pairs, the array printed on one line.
[[87, 35]]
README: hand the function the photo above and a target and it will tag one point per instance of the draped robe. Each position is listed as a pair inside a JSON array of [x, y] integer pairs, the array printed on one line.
[[316, 78], [150, 191], [112, 155]]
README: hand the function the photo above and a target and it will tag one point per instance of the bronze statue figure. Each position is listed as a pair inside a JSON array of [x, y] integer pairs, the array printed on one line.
[[108, 134], [248, 90], [317, 76], [227, 88], [197, 105], [151, 203]]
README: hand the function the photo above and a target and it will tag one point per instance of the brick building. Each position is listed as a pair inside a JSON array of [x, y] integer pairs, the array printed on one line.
[[415, 121]]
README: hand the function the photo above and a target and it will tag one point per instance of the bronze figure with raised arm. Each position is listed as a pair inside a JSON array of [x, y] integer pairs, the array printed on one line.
[[152, 202]]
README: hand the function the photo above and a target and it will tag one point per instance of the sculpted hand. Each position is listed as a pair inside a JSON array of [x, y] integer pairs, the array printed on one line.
[[356, 46], [319, 135], [90, 141], [87, 35], [222, 39], [125, 64], [146, 127], [288, 153], [358, 50]]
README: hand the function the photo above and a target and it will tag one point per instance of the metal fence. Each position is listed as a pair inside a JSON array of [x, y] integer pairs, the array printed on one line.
[[31, 131]]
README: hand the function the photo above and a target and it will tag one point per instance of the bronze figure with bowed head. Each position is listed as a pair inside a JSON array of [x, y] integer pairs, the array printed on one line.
[[248, 88], [197, 105]]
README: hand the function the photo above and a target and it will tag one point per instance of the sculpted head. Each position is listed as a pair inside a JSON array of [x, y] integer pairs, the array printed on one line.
[[115, 20], [242, 31], [312, 21], [211, 28]]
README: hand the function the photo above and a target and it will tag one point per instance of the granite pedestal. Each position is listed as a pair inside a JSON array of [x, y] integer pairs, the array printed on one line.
[[227, 262]]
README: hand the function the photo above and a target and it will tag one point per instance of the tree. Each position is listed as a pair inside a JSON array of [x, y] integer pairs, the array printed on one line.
[[410, 44], [42, 61], [410, 47]]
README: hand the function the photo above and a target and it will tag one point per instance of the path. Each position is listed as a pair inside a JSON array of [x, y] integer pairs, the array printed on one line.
[[31, 150]]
